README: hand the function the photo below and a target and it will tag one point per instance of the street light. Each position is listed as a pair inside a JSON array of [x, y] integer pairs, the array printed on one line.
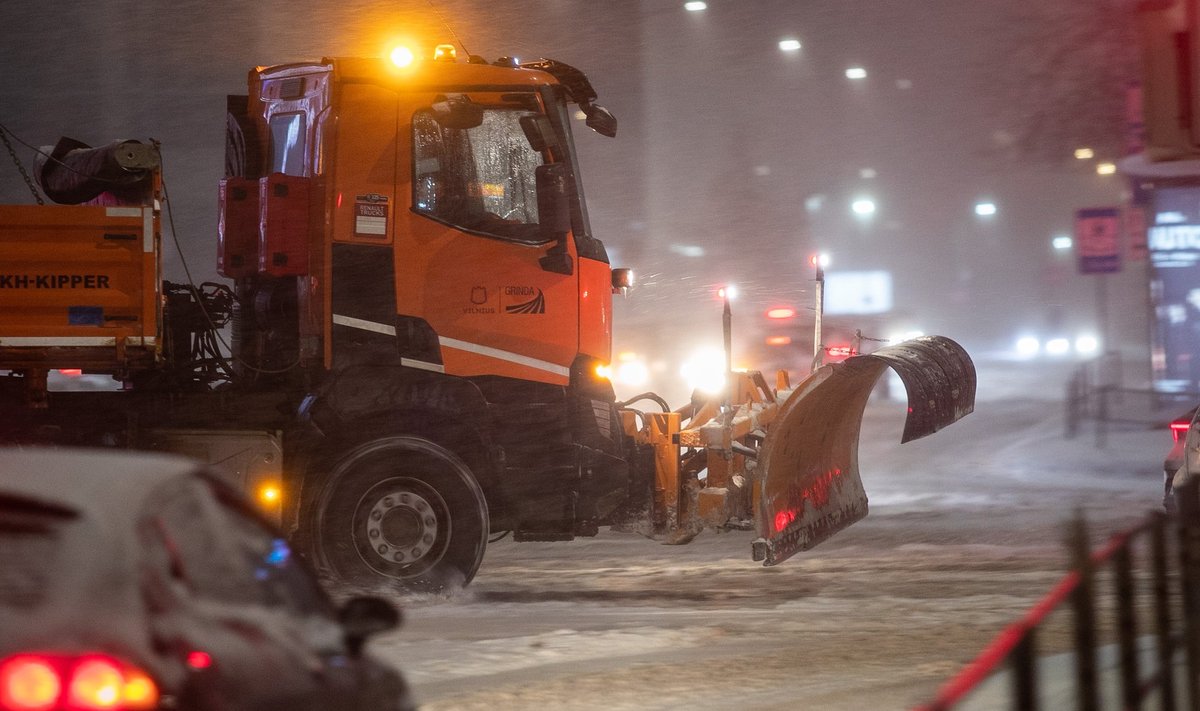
[[1106, 168], [985, 209], [856, 73], [695, 6], [1061, 243], [1084, 153], [863, 207], [789, 45]]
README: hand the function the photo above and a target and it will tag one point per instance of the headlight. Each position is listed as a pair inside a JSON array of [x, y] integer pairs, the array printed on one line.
[[705, 370], [1028, 346], [1058, 346], [631, 371], [1086, 345]]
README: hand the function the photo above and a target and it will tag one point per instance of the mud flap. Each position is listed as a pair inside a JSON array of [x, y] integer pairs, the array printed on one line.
[[810, 486]]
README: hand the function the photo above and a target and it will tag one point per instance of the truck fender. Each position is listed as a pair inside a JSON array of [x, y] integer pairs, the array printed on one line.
[[365, 402], [361, 392]]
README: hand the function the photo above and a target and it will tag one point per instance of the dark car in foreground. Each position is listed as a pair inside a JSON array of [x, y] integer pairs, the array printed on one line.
[[138, 581]]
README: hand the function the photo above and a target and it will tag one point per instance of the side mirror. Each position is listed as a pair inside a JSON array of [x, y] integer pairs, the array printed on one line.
[[539, 132], [362, 617], [554, 213], [622, 279], [554, 216], [600, 120], [457, 112]]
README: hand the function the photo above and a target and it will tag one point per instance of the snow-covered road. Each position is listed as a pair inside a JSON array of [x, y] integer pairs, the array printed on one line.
[[964, 534]]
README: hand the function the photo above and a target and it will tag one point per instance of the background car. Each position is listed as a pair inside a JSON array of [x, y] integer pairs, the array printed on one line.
[[139, 581], [1175, 457]]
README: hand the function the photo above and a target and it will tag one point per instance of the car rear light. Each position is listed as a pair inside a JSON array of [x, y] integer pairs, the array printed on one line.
[[28, 683], [53, 682], [1178, 429]]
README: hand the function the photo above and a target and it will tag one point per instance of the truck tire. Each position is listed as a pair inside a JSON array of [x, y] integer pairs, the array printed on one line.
[[402, 511]]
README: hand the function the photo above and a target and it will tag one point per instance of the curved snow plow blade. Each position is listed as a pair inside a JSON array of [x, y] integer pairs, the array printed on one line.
[[810, 485]]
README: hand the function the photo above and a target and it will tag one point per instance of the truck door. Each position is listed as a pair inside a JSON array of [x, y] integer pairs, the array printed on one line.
[[470, 255], [363, 205]]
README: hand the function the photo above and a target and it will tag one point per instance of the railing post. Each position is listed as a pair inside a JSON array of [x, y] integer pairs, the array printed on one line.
[[1131, 694], [1024, 673], [1189, 558], [1073, 409], [1162, 611], [1083, 605]]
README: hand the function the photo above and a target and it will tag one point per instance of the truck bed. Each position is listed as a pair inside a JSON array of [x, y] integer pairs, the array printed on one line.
[[78, 287]]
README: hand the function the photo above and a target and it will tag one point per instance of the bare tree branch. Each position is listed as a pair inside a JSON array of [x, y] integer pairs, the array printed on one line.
[[1064, 78]]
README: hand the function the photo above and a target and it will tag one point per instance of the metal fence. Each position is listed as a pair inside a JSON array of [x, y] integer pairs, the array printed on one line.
[[1096, 395], [1173, 599]]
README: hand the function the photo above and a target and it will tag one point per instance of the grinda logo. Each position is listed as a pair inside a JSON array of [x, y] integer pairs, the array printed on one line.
[[536, 305]]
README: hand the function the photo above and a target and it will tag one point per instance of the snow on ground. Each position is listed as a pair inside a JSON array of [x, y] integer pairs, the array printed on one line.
[[964, 534]]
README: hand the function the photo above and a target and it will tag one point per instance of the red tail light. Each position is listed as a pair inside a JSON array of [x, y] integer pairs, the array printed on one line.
[[29, 683], [1178, 429], [53, 682]]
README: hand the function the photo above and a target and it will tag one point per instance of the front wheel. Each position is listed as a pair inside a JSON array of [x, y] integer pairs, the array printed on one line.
[[403, 511]]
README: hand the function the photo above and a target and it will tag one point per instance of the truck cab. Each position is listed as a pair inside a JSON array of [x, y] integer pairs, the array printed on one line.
[[410, 242], [432, 214]]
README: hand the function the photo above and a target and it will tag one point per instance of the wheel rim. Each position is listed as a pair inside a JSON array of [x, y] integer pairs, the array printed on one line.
[[401, 527], [356, 486]]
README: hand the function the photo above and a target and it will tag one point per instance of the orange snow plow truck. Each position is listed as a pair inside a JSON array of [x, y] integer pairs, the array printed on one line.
[[410, 354]]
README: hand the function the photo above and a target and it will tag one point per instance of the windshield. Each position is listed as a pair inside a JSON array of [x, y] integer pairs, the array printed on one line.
[[481, 179]]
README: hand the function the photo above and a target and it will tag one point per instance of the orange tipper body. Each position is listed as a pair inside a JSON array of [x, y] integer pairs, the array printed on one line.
[[79, 287], [80, 281]]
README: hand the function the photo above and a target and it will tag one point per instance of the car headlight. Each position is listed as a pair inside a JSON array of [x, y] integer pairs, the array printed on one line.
[[1058, 346], [1087, 345], [1028, 346]]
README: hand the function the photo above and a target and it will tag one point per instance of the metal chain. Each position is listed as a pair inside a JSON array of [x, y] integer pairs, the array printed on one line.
[[859, 335], [21, 167]]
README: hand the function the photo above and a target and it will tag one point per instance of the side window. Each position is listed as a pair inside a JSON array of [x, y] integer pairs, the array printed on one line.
[[481, 179], [263, 556], [288, 133], [183, 545]]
